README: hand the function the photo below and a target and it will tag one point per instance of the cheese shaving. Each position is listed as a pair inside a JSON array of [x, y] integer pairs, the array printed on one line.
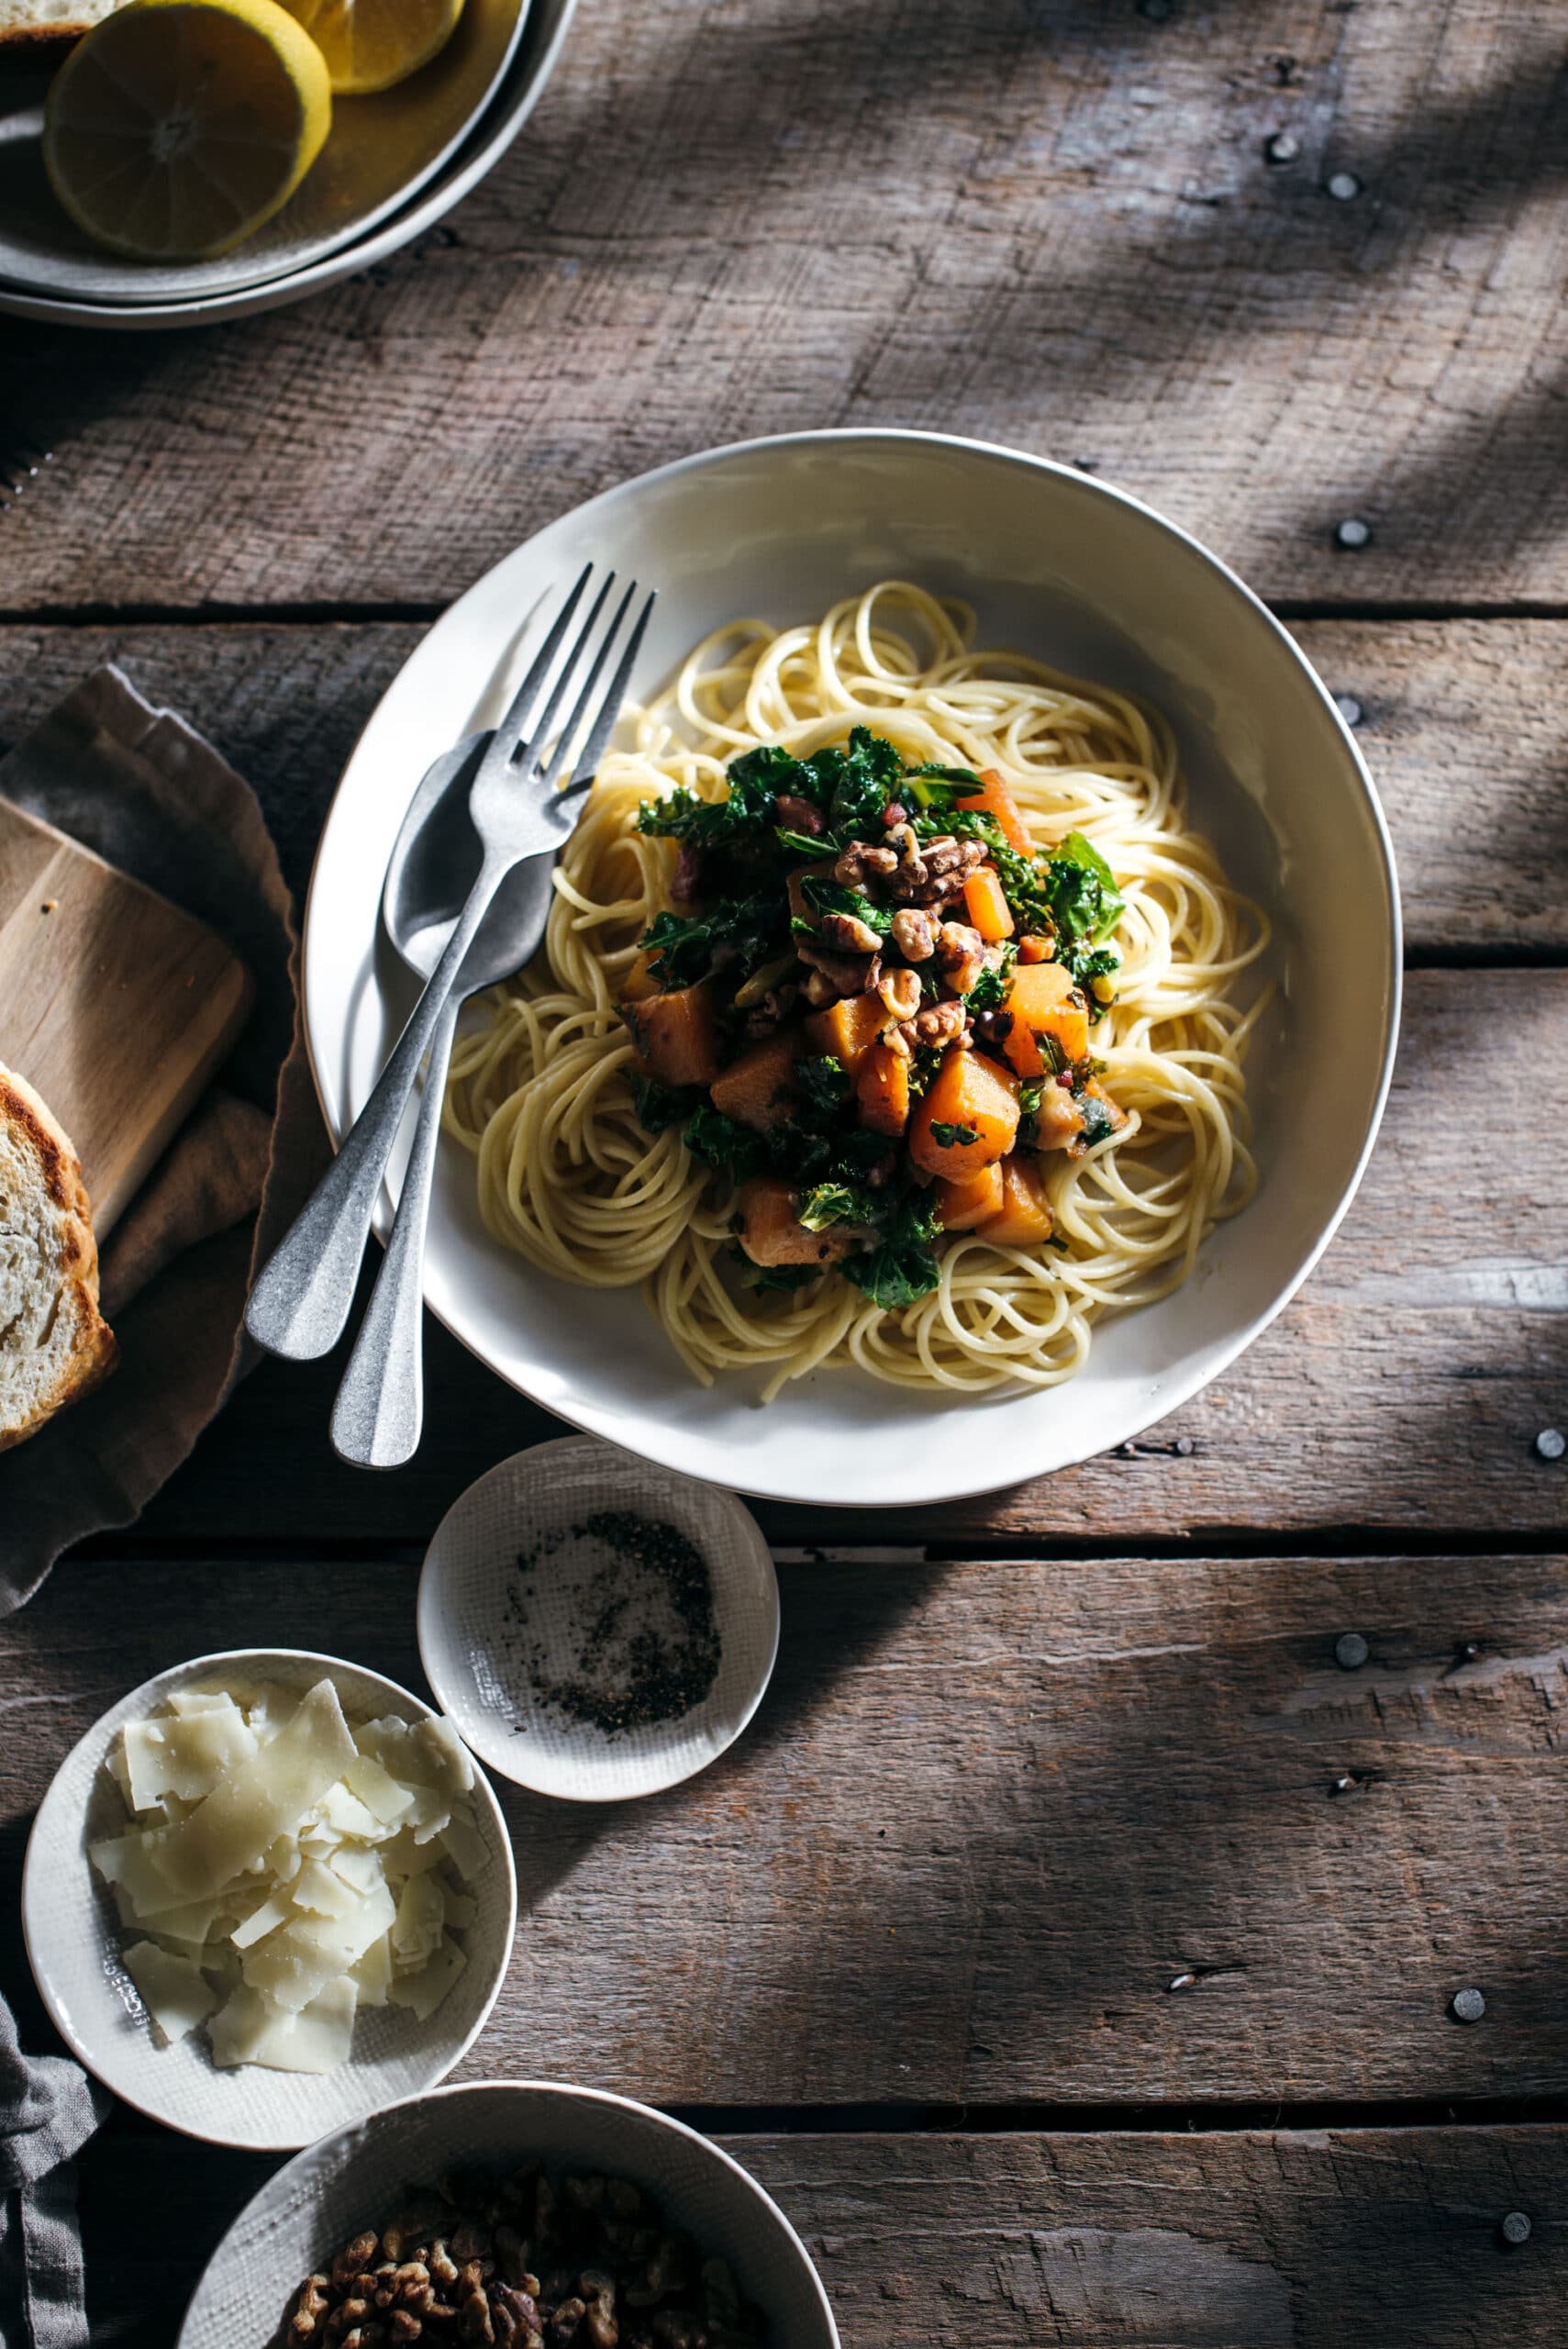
[[284, 1867]]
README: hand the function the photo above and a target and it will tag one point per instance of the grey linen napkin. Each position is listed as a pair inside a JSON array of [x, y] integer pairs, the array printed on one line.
[[49, 2109], [149, 794]]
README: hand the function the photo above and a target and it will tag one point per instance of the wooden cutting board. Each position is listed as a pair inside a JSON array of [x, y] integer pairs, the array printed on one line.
[[113, 1004]]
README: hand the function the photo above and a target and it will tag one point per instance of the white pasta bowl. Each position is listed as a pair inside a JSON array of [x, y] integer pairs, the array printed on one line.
[[361, 2176], [75, 1939], [1089, 580]]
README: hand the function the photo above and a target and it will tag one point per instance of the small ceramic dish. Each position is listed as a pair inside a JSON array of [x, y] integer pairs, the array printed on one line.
[[360, 2177], [73, 1940], [515, 1583]]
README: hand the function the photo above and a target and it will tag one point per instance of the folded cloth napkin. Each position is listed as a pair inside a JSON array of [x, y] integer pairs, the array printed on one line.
[[138, 786], [49, 2109]]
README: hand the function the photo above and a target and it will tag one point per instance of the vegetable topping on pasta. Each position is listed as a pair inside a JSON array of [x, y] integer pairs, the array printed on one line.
[[882, 1016]]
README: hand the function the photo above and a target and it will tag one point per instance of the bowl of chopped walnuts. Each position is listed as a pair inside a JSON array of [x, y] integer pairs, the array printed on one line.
[[512, 2214]]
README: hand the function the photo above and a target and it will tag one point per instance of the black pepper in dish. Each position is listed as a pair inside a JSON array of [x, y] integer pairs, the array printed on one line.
[[646, 1649]]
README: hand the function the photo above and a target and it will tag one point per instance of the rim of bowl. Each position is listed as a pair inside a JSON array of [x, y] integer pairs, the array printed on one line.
[[539, 1452], [608, 2098], [1090, 486], [33, 1858]]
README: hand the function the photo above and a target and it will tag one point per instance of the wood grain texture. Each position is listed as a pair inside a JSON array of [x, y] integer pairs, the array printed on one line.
[[1028, 220], [1464, 724], [1288, 2240], [1403, 1388], [115, 1005], [987, 1816]]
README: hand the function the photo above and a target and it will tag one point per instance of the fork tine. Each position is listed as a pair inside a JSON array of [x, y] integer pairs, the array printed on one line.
[[510, 731], [524, 756], [609, 708]]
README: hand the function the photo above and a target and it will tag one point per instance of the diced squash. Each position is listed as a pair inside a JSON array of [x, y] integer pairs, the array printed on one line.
[[964, 1200], [758, 1089], [822, 871], [986, 907], [1033, 948], [996, 799], [640, 982], [969, 1096], [770, 1232], [1024, 1218], [847, 1029], [881, 1089], [1044, 1002], [676, 1035]]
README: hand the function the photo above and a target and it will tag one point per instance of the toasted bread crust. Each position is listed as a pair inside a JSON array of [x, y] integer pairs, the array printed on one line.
[[94, 1352]]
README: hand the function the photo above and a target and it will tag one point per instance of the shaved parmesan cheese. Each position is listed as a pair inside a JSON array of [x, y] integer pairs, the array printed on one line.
[[286, 1870], [425, 1991], [373, 1973], [172, 1988], [317, 2039], [380, 1793]]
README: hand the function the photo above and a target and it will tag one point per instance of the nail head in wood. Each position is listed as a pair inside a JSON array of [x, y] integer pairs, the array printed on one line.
[[1552, 1444], [1182, 1982], [1281, 147], [1344, 187], [1516, 2227], [1352, 533], [1469, 2006], [1350, 710], [1350, 1651]]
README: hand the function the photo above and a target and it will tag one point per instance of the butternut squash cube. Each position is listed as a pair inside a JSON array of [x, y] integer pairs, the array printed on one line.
[[676, 1035], [882, 1090], [847, 1029], [1025, 1217], [771, 1233], [974, 1102], [964, 1200], [758, 1089], [1044, 1002]]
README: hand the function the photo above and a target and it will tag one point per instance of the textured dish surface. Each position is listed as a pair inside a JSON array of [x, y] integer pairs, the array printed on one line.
[[352, 2179], [470, 1645], [1094, 583], [74, 1939]]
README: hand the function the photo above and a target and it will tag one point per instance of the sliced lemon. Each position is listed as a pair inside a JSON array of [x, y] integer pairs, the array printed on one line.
[[371, 44], [176, 127]]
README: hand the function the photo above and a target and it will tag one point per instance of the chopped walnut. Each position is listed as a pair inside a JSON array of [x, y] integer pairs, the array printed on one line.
[[914, 934], [308, 2308], [354, 2258], [859, 859], [960, 955], [900, 991], [847, 973], [846, 934], [940, 1023]]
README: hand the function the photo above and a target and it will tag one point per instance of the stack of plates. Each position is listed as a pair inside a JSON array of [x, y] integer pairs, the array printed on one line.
[[393, 165]]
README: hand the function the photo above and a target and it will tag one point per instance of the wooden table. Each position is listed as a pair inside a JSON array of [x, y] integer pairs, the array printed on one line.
[[1071, 1946]]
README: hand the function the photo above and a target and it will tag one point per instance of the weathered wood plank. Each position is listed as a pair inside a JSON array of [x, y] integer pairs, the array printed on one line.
[[988, 1815], [1036, 223], [1285, 2240], [1465, 725], [1403, 1388]]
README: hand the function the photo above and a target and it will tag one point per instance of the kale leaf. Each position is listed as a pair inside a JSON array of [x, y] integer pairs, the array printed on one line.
[[656, 1105], [822, 1089], [831, 1203], [825, 895], [951, 1136], [723, 1141], [904, 1267], [683, 948]]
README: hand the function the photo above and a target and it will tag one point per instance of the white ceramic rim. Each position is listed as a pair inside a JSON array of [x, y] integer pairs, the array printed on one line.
[[276, 293], [1180, 1389], [426, 1602], [242, 1659], [605, 2096]]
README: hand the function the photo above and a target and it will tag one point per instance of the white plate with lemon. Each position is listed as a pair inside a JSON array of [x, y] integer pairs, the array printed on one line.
[[185, 148]]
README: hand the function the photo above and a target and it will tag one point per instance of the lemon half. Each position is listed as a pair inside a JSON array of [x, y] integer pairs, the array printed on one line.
[[371, 44], [175, 127]]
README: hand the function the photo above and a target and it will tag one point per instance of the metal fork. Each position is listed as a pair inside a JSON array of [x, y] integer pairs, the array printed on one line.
[[301, 1299]]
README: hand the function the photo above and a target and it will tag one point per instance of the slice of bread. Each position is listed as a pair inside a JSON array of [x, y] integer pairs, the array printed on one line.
[[35, 34], [55, 1346]]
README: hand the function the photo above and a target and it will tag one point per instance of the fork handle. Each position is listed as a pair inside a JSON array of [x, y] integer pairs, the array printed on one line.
[[381, 1403], [301, 1299]]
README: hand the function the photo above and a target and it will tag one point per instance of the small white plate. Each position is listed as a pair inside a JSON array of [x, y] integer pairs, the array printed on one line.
[[308, 2209], [472, 1644], [74, 1940]]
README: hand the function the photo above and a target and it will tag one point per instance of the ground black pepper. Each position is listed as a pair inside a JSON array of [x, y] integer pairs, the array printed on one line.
[[647, 1648]]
